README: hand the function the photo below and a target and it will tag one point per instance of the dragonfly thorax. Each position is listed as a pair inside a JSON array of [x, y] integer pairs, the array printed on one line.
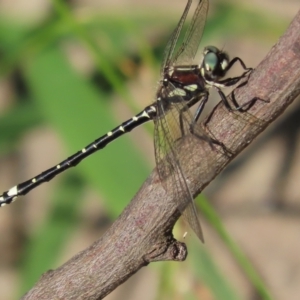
[[215, 63]]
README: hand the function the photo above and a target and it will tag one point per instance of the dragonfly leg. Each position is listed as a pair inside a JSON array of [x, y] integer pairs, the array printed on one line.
[[200, 108], [205, 137], [247, 105], [236, 107], [233, 80], [237, 59], [187, 107]]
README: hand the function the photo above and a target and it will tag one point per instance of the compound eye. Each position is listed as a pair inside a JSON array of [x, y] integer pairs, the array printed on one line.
[[211, 62], [215, 63], [209, 49]]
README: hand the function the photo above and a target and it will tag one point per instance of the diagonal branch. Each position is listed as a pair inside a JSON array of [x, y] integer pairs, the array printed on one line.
[[143, 232]]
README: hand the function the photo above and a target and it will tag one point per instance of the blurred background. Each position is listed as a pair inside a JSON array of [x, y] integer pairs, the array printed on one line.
[[73, 70]]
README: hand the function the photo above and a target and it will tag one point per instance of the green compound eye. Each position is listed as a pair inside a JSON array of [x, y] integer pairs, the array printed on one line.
[[215, 63], [210, 61]]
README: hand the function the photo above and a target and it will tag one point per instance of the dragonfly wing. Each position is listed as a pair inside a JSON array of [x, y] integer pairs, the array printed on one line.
[[188, 49], [168, 132], [190, 214], [169, 50]]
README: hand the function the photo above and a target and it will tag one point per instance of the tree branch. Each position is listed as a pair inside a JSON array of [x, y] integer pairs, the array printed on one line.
[[143, 232]]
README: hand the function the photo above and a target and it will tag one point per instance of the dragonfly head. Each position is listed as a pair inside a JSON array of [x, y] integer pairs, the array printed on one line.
[[215, 63]]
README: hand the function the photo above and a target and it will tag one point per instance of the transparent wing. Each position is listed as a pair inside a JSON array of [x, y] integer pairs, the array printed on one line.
[[193, 35], [188, 49], [169, 163], [174, 37]]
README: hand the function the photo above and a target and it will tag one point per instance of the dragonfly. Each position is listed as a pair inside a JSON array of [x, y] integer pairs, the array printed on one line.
[[183, 84]]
